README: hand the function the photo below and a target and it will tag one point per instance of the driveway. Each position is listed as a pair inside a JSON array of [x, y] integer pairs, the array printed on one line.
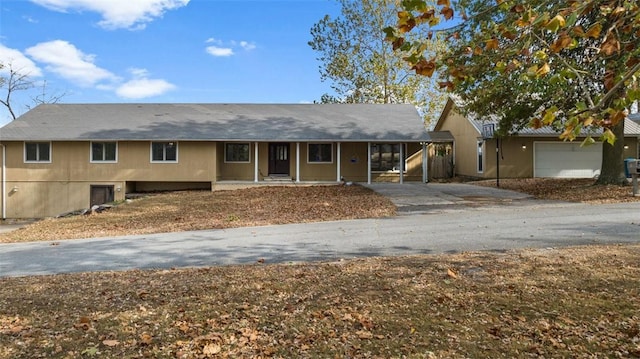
[[413, 198], [508, 221]]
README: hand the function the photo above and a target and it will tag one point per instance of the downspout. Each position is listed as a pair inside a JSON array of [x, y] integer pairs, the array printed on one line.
[[4, 181]]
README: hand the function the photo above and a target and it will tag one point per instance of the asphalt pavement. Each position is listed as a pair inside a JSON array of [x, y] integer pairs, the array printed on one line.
[[433, 219]]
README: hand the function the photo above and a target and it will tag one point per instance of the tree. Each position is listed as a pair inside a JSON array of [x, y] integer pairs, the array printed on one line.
[[570, 64], [362, 66], [16, 80]]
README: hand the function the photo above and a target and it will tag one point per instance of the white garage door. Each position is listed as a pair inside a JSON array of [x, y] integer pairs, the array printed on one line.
[[566, 160]]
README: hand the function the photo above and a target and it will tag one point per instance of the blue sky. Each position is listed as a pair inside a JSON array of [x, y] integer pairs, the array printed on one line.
[[109, 51]]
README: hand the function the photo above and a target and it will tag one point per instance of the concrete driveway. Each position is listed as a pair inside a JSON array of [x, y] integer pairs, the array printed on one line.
[[508, 221], [414, 198]]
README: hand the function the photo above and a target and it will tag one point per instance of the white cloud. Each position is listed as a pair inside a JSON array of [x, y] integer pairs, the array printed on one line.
[[219, 51], [247, 45], [141, 86], [117, 14], [18, 61], [65, 60]]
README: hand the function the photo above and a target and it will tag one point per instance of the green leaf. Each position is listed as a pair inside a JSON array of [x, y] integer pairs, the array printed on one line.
[[92, 351], [588, 141], [608, 136]]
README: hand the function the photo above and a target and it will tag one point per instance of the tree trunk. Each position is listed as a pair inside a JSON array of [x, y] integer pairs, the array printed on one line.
[[612, 168]]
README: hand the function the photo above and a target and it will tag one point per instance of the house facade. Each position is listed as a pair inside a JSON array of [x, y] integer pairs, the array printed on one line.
[[530, 153], [58, 158]]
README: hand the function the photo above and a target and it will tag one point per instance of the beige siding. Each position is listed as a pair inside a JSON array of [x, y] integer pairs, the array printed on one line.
[[465, 145], [50, 189]]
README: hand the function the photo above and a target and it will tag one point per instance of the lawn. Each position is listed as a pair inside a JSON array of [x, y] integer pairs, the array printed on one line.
[[581, 302], [194, 210], [551, 303]]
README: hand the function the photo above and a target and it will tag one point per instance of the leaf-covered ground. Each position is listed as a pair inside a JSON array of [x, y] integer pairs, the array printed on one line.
[[572, 190], [579, 302], [194, 210]]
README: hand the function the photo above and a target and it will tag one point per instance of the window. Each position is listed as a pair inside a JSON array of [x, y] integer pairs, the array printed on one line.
[[37, 152], [386, 157], [320, 153], [237, 152], [104, 151], [480, 156], [164, 152]]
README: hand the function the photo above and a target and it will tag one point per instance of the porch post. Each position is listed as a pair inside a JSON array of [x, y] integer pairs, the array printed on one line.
[[297, 161], [425, 163], [338, 155], [401, 163], [255, 156], [368, 162]]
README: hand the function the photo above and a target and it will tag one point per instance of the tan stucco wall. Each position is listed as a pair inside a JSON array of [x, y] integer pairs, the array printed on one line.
[[465, 145], [49, 189]]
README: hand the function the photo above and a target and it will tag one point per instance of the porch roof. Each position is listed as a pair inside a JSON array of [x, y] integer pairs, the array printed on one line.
[[215, 122]]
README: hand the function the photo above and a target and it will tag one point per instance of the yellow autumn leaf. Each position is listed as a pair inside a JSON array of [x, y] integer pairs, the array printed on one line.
[[545, 69], [492, 44], [594, 31]]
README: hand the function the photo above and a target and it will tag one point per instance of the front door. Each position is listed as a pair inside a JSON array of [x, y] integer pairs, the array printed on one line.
[[101, 195], [279, 159]]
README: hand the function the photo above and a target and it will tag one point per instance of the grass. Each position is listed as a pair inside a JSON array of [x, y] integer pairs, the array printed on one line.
[[580, 302], [194, 210], [575, 302]]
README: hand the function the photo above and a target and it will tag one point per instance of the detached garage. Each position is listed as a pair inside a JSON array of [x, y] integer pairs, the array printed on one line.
[[566, 160], [525, 154]]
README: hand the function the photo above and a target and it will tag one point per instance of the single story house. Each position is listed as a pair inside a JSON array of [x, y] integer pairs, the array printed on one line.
[[529, 153], [58, 158]]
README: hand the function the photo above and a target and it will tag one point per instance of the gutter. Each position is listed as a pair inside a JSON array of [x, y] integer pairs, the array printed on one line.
[[4, 181]]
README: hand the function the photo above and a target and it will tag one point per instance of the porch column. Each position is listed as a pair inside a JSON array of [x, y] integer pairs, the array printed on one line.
[[338, 155], [425, 163], [368, 162], [256, 168], [401, 163], [297, 161]]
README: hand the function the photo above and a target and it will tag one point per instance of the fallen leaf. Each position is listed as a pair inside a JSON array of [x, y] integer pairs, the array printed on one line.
[[110, 342], [451, 273]]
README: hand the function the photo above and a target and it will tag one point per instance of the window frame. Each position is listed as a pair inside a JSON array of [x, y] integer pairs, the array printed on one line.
[[309, 161], [480, 156], [92, 160], [24, 152], [164, 151], [226, 152], [393, 169]]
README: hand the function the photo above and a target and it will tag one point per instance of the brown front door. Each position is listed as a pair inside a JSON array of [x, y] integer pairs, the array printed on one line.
[[279, 159], [101, 195]]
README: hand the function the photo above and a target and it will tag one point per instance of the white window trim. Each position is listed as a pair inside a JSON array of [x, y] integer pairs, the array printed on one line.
[[320, 162], [163, 161], [91, 160], [237, 143], [480, 144], [397, 170], [24, 152]]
